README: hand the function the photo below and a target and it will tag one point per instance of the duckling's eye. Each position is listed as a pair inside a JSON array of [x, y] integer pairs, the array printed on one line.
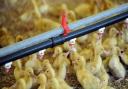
[[122, 51]]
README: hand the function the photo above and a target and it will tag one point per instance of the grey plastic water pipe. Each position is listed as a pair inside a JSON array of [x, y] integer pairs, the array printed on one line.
[[54, 41], [57, 31]]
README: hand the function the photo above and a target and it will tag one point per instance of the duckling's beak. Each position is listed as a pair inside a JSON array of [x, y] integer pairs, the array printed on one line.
[[106, 53], [73, 62], [100, 35], [118, 32], [7, 70], [67, 54], [54, 55], [40, 57]]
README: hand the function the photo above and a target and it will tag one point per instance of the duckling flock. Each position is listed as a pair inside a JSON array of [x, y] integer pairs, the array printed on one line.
[[91, 58]]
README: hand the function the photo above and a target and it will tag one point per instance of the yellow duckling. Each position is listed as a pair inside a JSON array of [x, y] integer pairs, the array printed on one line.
[[6, 37], [42, 80], [103, 76], [57, 10], [19, 38], [18, 71], [29, 77], [67, 48], [111, 40], [33, 62], [44, 8], [45, 24], [120, 39], [20, 84], [87, 53], [57, 51], [32, 76], [38, 10], [71, 16], [85, 77], [83, 10], [60, 64], [115, 65], [52, 82], [95, 62], [106, 62], [109, 4], [94, 43], [26, 81], [82, 40], [73, 55]]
